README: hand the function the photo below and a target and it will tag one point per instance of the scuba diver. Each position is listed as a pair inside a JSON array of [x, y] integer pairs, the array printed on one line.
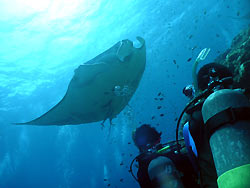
[[216, 127], [161, 165], [194, 130]]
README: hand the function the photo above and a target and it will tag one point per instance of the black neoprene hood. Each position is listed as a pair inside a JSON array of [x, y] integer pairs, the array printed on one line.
[[205, 71]]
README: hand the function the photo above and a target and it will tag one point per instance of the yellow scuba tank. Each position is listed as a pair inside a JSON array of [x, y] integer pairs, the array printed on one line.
[[226, 114]]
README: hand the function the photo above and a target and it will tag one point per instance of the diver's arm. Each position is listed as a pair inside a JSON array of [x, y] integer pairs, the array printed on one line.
[[163, 173]]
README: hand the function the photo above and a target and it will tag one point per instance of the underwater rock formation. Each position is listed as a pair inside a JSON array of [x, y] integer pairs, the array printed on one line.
[[237, 58]]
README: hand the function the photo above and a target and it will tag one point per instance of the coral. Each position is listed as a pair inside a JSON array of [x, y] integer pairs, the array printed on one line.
[[237, 58]]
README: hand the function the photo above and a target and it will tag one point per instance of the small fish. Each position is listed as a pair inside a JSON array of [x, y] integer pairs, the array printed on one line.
[[194, 48], [174, 61], [121, 180], [161, 115], [175, 119], [130, 155], [177, 66], [161, 99], [105, 179], [159, 94], [244, 17], [121, 163], [189, 59], [129, 142], [156, 99], [205, 12], [153, 117], [217, 35], [190, 36], [108, 185], [158, 107]]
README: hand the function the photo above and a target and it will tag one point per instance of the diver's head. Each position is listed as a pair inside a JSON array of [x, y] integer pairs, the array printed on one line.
[[146, 137], [212, 72]]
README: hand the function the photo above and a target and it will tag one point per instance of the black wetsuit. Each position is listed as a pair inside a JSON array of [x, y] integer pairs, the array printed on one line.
[[205, 162], [181, 162]]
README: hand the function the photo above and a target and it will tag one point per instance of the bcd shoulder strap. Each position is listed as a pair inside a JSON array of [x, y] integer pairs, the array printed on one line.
[[228, 116]]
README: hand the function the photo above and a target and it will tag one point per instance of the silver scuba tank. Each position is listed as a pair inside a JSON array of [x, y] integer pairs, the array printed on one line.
[[226, 115]]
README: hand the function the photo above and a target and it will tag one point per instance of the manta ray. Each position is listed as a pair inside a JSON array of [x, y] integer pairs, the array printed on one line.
[[100, 88]]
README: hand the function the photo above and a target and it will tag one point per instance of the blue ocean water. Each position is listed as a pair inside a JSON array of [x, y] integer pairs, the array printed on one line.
[[41, 44]]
